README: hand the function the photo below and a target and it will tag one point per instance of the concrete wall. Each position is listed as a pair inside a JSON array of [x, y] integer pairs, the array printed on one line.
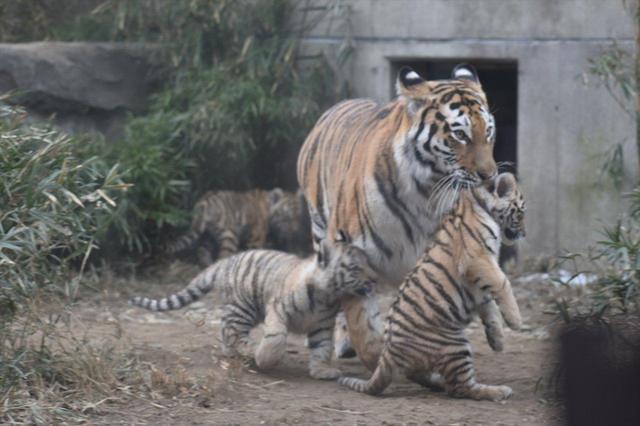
[[564, 119]]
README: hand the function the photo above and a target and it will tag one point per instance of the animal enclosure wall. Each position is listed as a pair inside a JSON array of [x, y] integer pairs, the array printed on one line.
[[562, 122]]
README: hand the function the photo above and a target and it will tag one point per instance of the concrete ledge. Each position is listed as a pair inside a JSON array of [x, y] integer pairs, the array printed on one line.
[[77, 76]]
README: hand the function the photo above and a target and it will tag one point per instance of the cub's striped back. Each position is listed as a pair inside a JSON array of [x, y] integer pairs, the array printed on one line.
[[225, 221]]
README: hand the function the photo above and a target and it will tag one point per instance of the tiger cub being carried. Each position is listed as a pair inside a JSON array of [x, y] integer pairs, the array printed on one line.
[[457, 276], [283, 291], [225, 221]]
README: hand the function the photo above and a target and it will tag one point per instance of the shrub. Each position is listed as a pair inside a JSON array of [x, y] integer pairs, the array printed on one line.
[[55, 203], [614, 263], [235, 110], [237, 102]]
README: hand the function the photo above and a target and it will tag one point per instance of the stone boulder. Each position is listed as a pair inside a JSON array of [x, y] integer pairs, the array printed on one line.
[[85, 86]]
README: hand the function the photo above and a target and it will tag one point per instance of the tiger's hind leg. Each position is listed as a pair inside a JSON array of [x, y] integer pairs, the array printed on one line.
[[228, 243], [273, 346], [257, 238], [456, 366], [321, 344], [205, 251], [234, 334], [366, 326], [431, 380], [343, 347]]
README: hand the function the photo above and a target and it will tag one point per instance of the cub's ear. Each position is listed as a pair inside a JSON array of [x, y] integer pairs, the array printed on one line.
[[490, 185], [465, 72], [505, 185], [324, 254], [275, 195]]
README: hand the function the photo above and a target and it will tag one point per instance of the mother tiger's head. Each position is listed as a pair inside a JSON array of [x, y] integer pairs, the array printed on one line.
[[452, 130]]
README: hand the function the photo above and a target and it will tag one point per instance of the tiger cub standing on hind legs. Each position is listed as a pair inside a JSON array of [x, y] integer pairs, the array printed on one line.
[[287, 293], [458, 274], [376, 172]]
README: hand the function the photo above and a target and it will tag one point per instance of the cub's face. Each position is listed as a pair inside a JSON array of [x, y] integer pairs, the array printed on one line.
[[453, 130], [509, 208], [347, 269]]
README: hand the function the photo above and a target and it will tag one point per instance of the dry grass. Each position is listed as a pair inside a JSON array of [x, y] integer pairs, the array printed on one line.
[[49, 375]]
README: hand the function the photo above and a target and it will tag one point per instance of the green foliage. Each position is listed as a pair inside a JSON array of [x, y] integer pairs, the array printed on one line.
[[237, 103], [63, 20], [55, 201], [614, 70], [614, 263], [234, 113], [615, 259]]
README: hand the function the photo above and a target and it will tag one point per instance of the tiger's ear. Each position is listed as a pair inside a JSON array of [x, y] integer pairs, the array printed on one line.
[[465, 72], [505, 185], [411, 85], [324, 254]]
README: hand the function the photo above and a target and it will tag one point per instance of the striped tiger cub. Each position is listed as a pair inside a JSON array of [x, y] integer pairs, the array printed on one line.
[[225, 221], [283, 291], [457, 276], [289, 224]]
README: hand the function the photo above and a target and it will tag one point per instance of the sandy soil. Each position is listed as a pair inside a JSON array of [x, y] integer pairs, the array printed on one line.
[[183, 344]]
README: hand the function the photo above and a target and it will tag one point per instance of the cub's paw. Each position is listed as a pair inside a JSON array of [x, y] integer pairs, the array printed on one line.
[[514, 322], [499, 393], [512, 318], [325, 373], [481, 392], [495, 338]]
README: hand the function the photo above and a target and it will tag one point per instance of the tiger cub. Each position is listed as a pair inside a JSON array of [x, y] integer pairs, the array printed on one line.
[[283, 291], [225, 221], [457, 275], [289, 224]]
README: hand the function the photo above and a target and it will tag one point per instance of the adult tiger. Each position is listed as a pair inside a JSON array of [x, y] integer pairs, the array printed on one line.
[[374, 172]]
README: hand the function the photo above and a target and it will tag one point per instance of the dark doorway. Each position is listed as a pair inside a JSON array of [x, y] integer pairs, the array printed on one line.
[[499, 79]]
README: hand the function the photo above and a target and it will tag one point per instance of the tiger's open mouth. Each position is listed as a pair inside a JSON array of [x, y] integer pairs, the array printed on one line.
[[464, 179]]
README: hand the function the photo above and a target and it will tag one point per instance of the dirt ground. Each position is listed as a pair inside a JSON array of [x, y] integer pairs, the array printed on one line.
[[183, 345]]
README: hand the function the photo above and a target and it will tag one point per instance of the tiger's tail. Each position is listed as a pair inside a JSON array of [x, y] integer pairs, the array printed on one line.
[[202, 284], [183, 242], [378, 382]]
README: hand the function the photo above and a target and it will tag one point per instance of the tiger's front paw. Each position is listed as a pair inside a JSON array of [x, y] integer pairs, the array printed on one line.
[[325, 373]]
